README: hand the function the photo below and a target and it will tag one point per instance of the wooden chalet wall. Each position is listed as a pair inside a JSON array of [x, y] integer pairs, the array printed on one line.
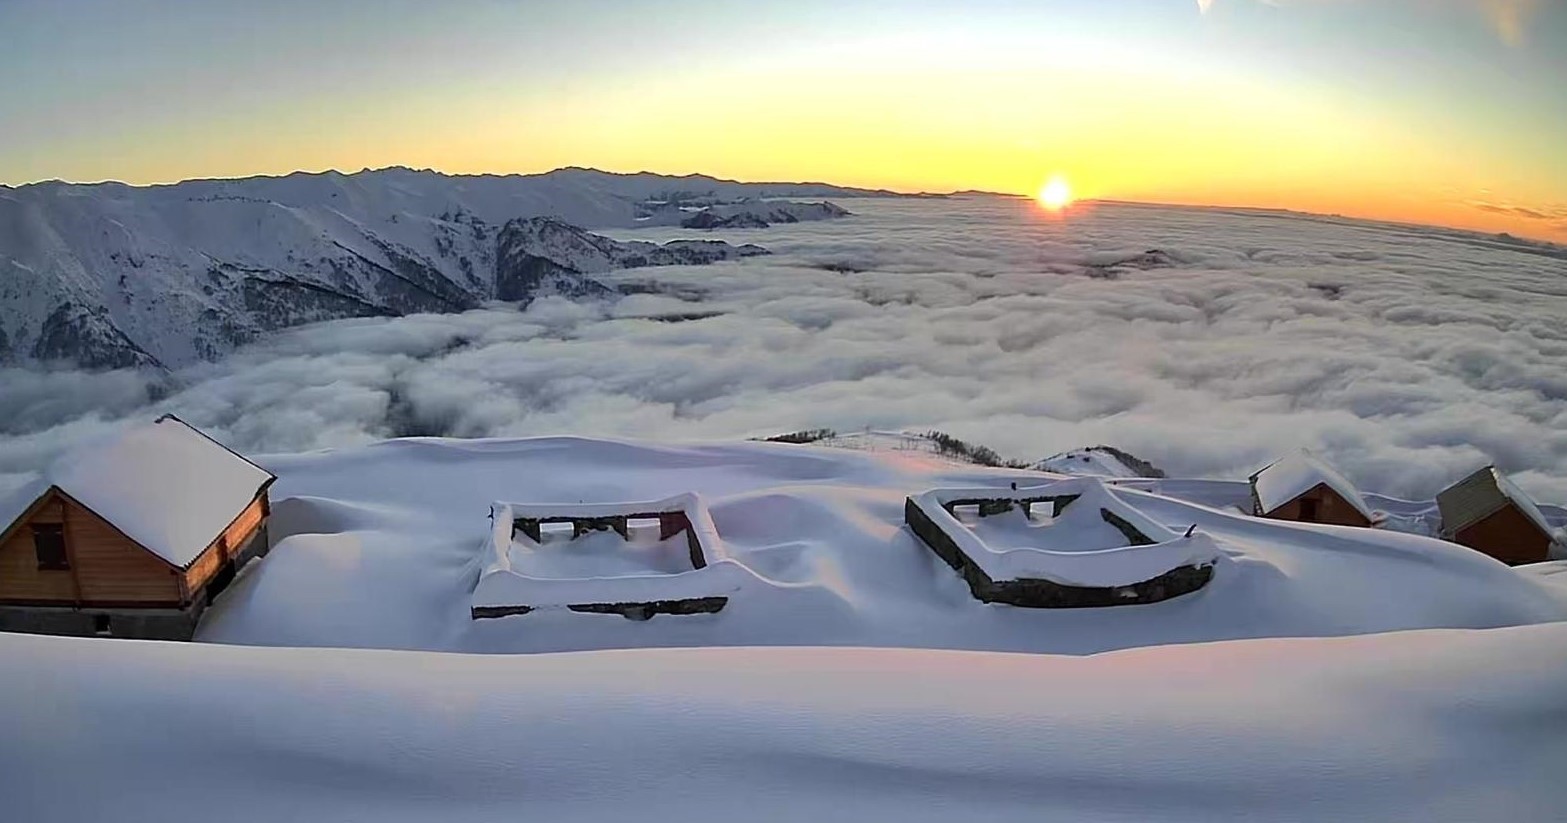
[[1332, 508], [20, 578], [106, 567], [1507, 535], [112, 568], [227, 545]]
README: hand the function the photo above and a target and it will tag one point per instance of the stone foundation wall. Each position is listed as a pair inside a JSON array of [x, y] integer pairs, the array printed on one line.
[[630, 611], [138, 623], [670, 523], [87, 621]]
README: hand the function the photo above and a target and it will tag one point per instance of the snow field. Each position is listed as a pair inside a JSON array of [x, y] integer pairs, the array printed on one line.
[[1432, 726], [381, 546]]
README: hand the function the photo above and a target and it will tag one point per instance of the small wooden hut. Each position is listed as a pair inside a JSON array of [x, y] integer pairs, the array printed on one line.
[[1488, 513], [1304, 488], [130, 536]]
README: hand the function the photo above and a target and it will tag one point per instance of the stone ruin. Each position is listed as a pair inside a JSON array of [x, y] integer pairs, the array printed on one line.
[[1180, 569], [503, 590]]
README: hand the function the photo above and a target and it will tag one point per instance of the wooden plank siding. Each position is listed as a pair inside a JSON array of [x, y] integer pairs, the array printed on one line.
[[1331, 508], [20, 578], [107, 567], [227, 545], [113, 568], [1507, 535]]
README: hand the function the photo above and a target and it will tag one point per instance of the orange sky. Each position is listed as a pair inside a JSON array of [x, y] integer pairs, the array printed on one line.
[[1448, 112]]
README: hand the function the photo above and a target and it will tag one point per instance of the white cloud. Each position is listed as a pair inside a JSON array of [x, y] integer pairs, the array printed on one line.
[[1407, 356]]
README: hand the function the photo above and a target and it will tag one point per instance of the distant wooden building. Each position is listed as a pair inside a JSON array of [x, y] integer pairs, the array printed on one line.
[[1488, 513], [1303, 488], [130, 536]]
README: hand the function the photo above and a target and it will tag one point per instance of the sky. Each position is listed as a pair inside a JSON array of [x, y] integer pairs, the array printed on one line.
[[1436, 111]]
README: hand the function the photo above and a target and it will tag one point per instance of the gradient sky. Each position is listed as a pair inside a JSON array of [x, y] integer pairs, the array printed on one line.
[[1439, 111]]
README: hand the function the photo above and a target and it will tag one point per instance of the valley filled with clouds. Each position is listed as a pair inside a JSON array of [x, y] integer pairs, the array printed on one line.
[[1206, 341]]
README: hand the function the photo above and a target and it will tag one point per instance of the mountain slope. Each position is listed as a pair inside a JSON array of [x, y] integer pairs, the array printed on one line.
[[760, 215], [110, 275], [542, 255]]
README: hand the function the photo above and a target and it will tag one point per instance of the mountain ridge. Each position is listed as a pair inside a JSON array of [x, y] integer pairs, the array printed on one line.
[[110, 275]]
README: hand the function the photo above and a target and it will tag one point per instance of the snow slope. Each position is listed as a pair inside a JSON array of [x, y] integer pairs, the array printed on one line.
[[754, 214], [1098, 461], [1429, 726], [381, 546], [541, 256], [111, 275]]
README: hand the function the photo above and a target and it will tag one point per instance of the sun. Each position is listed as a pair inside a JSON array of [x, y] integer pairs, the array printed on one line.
[[1055, 195]]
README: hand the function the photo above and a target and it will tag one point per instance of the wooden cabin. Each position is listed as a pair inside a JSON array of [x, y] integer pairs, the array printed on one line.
[[1488, 513], [1304, 488], [130, 536]]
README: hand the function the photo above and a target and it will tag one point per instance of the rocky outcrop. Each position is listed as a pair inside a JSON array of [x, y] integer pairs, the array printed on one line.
[[541, 255], [1109, 266], [756, 214], [88, 337], [707, 219]]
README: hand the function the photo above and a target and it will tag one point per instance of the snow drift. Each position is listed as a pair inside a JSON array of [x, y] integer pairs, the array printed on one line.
[[1432, 726], [384, 546]]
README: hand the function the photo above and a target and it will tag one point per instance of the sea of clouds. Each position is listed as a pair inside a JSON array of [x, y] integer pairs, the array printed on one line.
[[1407, 356]]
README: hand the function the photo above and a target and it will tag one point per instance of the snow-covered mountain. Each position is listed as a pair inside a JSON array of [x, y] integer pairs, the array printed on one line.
[[756, 214], [542, 255], [111, 275]]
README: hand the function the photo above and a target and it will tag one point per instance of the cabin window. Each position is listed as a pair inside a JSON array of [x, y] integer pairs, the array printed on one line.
[[1308, 508], [101, 625], [49, 544]]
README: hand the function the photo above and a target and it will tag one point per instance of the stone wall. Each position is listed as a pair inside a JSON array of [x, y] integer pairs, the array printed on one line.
[[670, 523], [144, 624], [1046, 594]]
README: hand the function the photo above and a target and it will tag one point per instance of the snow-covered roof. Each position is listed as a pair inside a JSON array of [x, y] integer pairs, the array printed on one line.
[[1293, 476], [164, 484], [1480, 495]]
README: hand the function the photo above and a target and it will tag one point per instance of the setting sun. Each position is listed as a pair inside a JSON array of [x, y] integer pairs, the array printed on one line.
[[1056, 194]]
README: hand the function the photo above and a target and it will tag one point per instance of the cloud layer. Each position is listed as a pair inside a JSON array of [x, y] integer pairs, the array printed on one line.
[[1408, 356]]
